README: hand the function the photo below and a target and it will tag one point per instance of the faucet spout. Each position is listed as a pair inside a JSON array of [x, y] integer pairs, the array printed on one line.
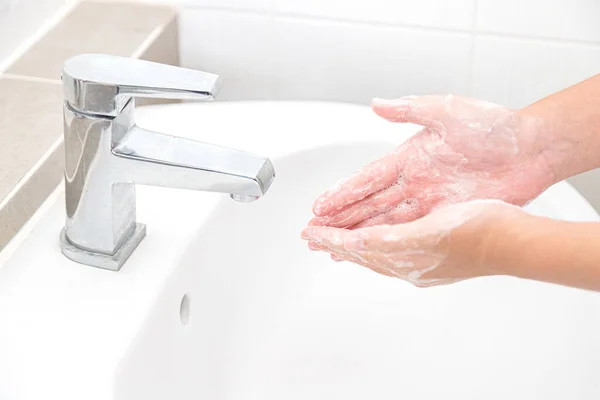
[[157, 159]]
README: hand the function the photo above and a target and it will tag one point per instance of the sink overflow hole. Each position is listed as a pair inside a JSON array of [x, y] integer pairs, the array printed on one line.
[[184, 310]]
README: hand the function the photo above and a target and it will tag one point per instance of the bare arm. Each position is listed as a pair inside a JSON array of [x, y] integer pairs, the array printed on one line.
[[561, 252], [566, 127], [566, 253]]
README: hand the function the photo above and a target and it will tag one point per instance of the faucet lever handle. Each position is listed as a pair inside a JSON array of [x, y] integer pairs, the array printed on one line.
[[102, 84]]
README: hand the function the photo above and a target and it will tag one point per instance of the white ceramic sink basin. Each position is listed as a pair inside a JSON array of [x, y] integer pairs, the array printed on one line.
[[222, 300]]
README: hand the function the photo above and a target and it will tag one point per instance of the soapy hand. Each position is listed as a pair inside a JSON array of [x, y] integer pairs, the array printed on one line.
[[448, 245], [469, 149]]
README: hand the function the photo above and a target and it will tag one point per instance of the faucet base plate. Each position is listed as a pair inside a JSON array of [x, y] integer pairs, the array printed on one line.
[[113, 262]]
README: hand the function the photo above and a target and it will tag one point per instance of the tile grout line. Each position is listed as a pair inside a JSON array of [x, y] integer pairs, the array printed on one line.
[[28, 78], [539, 39], [50, 23], [137, 53], [272, 43], [39, 164], [472, 48], [46, 27], [7, 251], [398, 25], [150, 39]]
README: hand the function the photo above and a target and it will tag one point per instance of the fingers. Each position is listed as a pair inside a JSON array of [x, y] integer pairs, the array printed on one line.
[[369, 238], [372, 178], [378, 239], [374, 205], [339, 256], [316, 247], [403, 213], [364, 244], [388, 250], [428, 111], [331, 240], [382, 173], [323, 236], [400, 240]]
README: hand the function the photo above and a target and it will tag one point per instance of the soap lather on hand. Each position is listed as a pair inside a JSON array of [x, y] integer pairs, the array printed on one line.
[[443, 207]]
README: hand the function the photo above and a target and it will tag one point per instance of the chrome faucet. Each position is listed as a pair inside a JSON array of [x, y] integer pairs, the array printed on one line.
[[106, 154]]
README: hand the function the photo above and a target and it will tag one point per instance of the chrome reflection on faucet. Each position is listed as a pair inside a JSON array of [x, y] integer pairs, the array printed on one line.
[[106, 154]]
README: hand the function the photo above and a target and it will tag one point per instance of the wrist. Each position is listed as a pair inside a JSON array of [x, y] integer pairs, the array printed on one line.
[[567, 145], [538, 141], [484, 243], [505, 240]]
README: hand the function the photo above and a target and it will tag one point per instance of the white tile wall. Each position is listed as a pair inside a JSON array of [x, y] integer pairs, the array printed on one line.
[[349, 62], [351, 50], [262, 57], [5, 5], [237, 46], [562, 19], [517, 72], [432, 13], [257, 5]]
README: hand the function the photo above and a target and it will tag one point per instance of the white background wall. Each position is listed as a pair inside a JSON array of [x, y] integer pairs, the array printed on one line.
[[510, 51]]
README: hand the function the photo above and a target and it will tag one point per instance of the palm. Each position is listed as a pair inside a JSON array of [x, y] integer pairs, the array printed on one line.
[[468, 150]]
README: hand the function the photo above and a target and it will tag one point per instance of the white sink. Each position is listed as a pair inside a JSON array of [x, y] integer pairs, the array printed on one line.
[[223, 300]]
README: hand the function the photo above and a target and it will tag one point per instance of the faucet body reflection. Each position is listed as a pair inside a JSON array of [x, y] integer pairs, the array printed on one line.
[[106, 154]]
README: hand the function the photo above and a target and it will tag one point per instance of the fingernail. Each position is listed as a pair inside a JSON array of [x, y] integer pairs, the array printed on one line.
[[305, 235]]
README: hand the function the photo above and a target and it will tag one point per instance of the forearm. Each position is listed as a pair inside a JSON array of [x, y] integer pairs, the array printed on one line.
[[566, 253], [566, 127]]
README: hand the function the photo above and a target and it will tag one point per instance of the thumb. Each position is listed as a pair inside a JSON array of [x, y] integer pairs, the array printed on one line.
[[429, 111]]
